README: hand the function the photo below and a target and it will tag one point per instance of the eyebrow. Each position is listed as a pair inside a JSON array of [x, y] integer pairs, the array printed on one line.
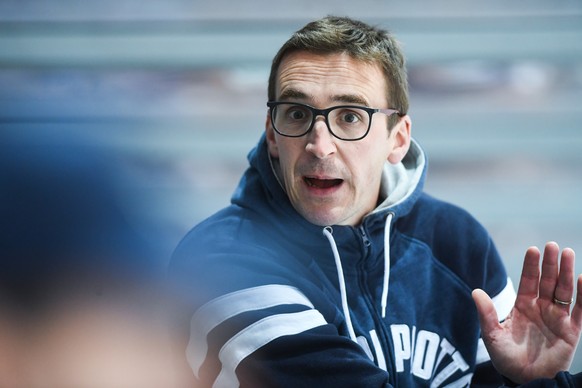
[[292, 94], [351, 99], [341, 98]]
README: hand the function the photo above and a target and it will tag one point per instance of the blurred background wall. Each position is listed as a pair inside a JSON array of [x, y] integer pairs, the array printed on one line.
[[179, 89]]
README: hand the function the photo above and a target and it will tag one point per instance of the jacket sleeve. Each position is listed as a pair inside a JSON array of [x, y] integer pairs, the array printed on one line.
[[272, 336], [561, 380]]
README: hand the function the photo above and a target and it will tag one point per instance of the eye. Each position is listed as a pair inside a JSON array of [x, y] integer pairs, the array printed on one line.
[[350, 116], [296, 113]]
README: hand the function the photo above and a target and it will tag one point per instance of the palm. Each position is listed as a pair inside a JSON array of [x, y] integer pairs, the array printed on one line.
[[539, 337]]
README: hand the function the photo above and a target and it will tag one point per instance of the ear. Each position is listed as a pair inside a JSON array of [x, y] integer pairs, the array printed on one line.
[[271, 138], [401, 137]]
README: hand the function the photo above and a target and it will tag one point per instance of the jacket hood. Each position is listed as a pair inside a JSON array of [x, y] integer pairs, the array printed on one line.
[[402, 183]]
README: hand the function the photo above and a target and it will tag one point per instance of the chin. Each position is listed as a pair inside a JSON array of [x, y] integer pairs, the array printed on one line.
[[315, 219], [321, 219]]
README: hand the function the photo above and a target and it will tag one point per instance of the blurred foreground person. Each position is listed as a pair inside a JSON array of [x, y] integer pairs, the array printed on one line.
[[80, 290]]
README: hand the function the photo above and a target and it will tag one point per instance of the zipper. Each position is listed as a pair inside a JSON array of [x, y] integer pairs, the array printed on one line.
[[364, 236]]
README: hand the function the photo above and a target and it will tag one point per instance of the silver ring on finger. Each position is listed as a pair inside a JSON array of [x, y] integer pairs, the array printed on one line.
[[563, 302]]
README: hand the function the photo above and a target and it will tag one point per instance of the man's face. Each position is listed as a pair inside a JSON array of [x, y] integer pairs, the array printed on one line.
[[331, 181]]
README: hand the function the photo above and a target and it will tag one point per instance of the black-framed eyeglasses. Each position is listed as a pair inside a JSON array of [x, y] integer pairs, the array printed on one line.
[[346, 122]]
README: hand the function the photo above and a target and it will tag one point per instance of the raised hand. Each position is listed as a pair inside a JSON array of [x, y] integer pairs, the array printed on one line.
[[540, 336]]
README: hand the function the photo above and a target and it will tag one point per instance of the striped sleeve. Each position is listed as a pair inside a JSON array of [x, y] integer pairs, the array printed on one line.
[[271, 323]]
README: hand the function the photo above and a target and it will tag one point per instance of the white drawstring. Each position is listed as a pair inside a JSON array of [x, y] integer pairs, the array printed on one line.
[[386, 264], [328, 232]]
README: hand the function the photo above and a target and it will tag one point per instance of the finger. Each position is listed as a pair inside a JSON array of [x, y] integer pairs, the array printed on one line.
[[576, 318], [530, 276], [487, 313], [549, 277], [565, 284]]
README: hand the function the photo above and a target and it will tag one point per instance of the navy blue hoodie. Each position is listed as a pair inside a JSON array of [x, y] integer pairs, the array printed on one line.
[[275, 301]]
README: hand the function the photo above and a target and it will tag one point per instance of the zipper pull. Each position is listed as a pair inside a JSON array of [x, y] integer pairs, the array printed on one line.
[[364, 236]]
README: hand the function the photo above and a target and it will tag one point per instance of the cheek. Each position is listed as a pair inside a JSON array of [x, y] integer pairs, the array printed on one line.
[[367, 171], [287, 160]]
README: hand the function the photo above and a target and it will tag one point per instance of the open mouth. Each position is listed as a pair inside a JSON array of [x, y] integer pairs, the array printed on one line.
[[322, 183]]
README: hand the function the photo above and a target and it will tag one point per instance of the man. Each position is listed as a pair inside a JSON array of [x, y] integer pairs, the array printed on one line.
[[332, 268]]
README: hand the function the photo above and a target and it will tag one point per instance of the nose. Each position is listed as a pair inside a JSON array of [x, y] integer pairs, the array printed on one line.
[[320, 141]]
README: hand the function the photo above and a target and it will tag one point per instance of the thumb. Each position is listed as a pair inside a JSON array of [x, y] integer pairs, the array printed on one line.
[[486, 311]]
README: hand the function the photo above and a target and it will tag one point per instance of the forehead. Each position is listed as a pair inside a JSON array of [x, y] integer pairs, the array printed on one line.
[[324, 78]]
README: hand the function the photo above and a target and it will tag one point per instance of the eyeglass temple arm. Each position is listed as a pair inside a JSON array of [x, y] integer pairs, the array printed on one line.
[[390, 112]]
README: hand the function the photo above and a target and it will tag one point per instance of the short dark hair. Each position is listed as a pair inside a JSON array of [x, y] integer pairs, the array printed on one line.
[[361, 41]]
